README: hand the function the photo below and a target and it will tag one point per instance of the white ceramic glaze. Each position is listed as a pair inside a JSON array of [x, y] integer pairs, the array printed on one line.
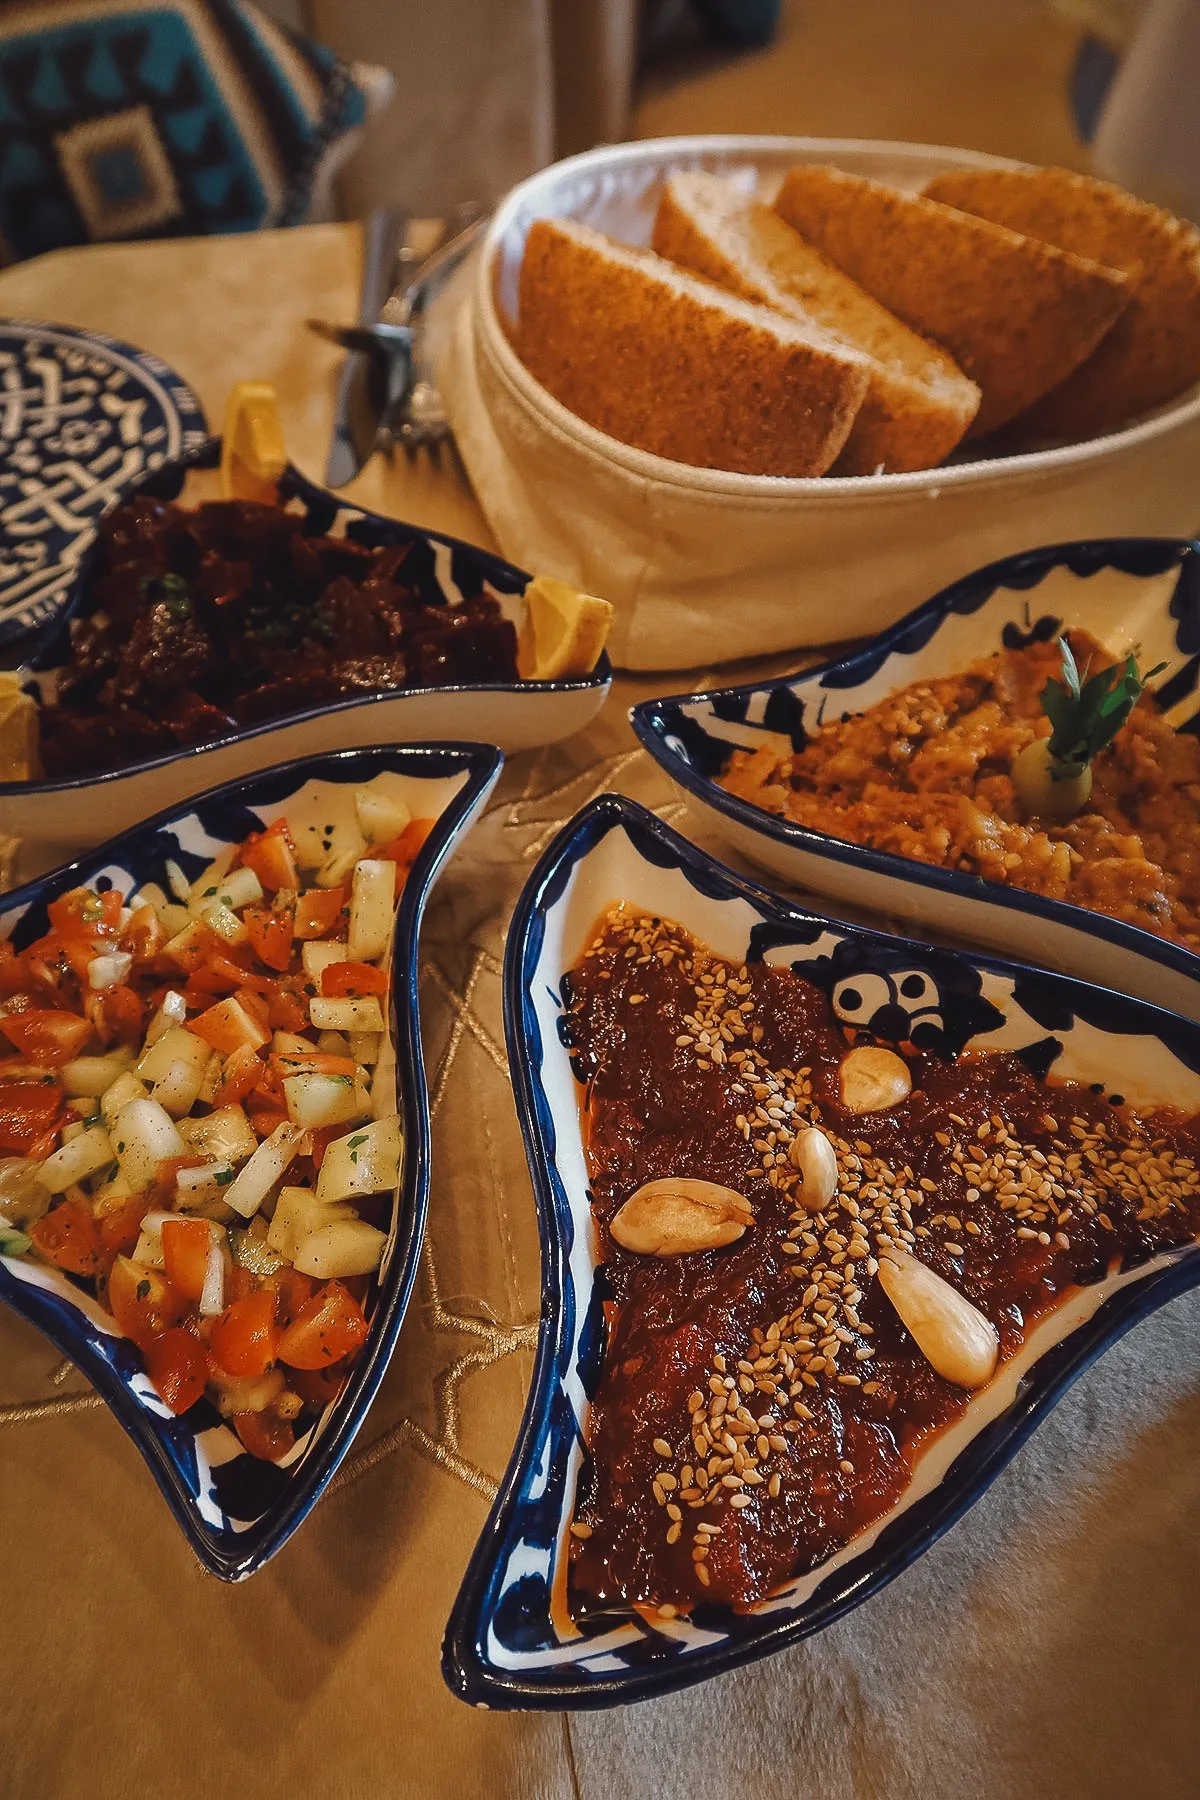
[[1141, 595], [511, 1641]]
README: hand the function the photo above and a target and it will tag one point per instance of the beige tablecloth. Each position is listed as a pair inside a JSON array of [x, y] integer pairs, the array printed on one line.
[[1048, 1645]]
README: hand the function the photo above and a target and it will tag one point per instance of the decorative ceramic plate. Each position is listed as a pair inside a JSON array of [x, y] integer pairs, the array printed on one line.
[[83, 417], [60, 817], [1130, 593], [235, 1509], [511, 1641]]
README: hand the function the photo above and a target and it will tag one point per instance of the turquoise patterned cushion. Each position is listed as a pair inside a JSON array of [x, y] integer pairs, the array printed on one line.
[[124, 120]]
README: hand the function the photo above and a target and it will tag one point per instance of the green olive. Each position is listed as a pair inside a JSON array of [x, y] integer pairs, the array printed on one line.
[[1037, 790]]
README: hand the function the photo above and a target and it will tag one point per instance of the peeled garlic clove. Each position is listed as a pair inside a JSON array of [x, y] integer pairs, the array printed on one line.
[[812, 1153], [959, 1341], [676, 1215], [872, 1079]]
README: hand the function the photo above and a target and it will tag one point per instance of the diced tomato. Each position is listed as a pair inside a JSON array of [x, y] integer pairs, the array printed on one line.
[[318, 911], [46, 1034], [224, 971], [313, 1062], [270, 934], [44, 1146], [322, 1137], [67, 1237], [178, 1367], [405, 848], [353, 978], [272, 856], [228, 1026], [243, 1072], [28, 1110], [330, 1326], [287, 1008], [185, 1245], [292, 1292], [121, 1228], [117, 1015], [85, 914], [143, 936], [245, 1338], [266, 1119], [317, 1387], [239, 1283], [162, 1188], [264, 1434], [142, 1300]]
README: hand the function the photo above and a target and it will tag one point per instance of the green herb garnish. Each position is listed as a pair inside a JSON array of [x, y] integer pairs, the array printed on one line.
[[1087, 711], [13, 1243], [170, 591]]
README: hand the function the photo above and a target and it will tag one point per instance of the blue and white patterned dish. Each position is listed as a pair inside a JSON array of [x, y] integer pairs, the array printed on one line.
[[509, 1642], [1130, 593], [58, 818], [237, 1511], [83, 418]]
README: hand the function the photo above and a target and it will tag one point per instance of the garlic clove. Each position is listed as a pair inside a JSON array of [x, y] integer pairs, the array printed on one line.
[[959, 1341], [871, 1079], [815, 1157], [676, 1215]]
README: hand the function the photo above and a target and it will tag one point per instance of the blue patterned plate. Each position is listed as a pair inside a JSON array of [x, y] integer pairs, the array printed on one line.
[[1131, 593], [510, 1641], [235, 1510], [83, 418], [60, 817]]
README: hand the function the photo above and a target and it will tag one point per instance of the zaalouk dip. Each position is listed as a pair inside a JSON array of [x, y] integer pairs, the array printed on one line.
[[926, 773], [761, 1402]]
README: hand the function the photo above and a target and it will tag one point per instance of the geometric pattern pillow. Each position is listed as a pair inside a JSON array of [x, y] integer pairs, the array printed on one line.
[[121, 119]]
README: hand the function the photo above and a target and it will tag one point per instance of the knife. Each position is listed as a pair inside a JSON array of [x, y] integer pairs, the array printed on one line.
[[362, 389]]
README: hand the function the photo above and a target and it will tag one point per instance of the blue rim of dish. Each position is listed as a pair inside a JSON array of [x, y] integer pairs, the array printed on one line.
[[235, 1555], [466, 1667], [653, 721], [42, 645], [174, 395]]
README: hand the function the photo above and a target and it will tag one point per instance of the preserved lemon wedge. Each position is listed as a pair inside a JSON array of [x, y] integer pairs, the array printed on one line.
[[253, 456], [18, 731], [562, 632]]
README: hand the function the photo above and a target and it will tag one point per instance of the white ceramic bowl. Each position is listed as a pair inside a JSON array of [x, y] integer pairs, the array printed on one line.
[[1133, 594], [705, 566], [55, 819]]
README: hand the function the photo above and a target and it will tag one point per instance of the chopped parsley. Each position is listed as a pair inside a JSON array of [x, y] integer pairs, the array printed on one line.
[[143, 1290]]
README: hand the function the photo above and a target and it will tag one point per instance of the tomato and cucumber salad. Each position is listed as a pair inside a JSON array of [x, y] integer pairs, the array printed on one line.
[[198, 1112]]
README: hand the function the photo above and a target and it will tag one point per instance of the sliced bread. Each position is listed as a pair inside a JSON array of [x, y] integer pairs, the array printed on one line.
[[675, 365], [1152, 353], [1015, 314], [918, 403]]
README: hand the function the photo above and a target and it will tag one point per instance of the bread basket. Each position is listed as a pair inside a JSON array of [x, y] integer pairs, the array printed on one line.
[[703, 566]]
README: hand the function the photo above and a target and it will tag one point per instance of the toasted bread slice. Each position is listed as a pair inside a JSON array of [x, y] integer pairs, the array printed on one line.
[[918, 403], [674, 365], [1015, 314], [1152, 353]]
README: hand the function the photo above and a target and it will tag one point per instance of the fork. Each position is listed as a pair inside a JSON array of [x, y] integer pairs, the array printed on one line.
[[416, 417]]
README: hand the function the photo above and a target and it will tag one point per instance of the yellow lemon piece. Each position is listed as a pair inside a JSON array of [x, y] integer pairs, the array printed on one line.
[[253, 456], [562, 632], [18, 731]]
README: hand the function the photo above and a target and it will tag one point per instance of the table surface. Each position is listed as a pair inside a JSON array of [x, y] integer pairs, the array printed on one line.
[[1049, 1642]]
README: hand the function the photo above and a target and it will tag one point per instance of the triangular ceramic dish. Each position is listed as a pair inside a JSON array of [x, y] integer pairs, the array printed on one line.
[[511, 1641], [1139, 594], [235, 1510]]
